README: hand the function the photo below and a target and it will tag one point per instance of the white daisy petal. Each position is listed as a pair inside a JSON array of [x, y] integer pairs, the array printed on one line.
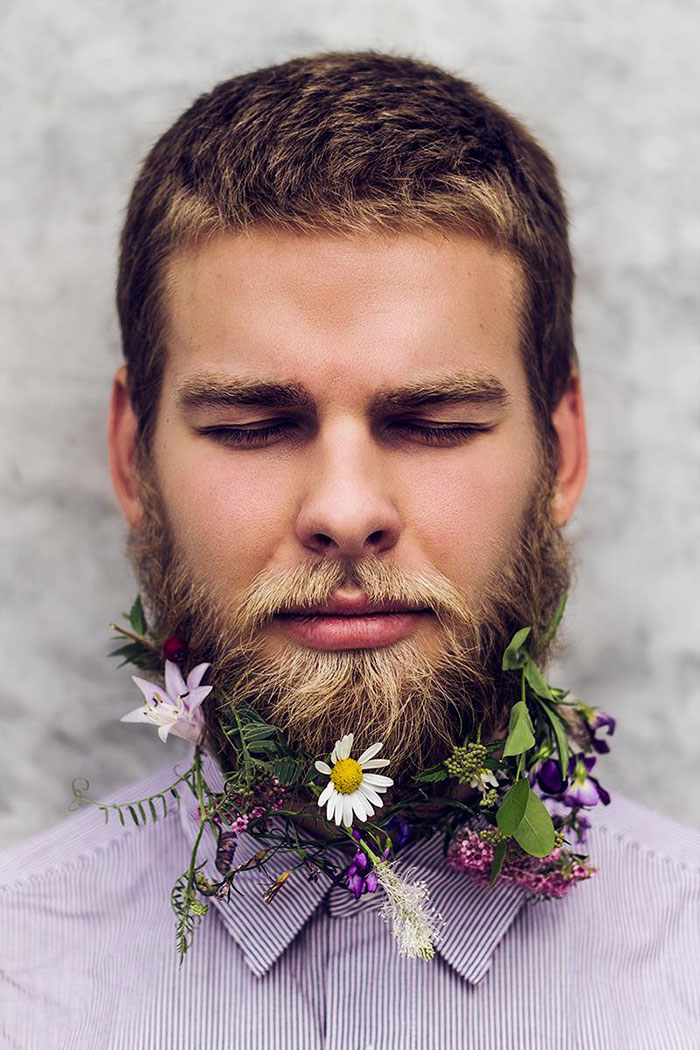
[[359, 805], [334, 754], [338, 809], [376, 780], [371, 752], [345, 746], [347, 811], [326, 793], [376, 763], [323, 767], [371, 794], [330, 810]]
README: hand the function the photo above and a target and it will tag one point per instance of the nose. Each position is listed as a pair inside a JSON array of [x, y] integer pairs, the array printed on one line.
[[346, 510]]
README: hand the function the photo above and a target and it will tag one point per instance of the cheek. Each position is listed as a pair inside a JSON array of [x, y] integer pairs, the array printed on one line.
[[469, 514], [227, 520]]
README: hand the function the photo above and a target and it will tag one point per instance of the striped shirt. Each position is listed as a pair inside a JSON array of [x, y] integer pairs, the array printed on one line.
[[88, 957]]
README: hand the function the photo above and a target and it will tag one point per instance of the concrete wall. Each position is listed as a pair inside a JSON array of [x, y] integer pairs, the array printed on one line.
[[612, 90]]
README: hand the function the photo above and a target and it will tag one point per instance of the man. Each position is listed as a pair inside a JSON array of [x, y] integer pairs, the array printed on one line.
[[346, 440]]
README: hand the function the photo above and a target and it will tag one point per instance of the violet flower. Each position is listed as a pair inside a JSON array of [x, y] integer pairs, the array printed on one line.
[[175, 709], [585, 789]]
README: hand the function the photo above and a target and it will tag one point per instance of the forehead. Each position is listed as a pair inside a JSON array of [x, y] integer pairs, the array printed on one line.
[[345, 313]]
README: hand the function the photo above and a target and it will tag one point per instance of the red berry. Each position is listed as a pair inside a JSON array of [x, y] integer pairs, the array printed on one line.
[[174, 649]]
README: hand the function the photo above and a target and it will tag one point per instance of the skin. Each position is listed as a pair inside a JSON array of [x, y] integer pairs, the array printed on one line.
[[349, 318]]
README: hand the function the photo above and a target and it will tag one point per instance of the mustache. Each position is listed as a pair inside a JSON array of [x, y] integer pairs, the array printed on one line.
[[305, 586]]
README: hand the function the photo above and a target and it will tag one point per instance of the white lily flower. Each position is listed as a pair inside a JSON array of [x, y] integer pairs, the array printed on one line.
[[351, 791], [483, 780], [175, 709]]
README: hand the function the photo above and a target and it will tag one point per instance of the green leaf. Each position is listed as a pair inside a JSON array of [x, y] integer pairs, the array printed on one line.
[[134, 817], [121, 817], [142, 812], [137, 618], [515, 655], [152, 808], [432, 775], [286, 770], [559, 727], [535, 679], [551, 627], [499, 855], [521, 735], [512, 808], [535, 833]]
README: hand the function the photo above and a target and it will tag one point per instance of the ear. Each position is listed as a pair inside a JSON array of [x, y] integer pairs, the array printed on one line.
[[122, 431], [569, 424]]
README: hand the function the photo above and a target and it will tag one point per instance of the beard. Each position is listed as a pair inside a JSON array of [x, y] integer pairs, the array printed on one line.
[[419, 700]]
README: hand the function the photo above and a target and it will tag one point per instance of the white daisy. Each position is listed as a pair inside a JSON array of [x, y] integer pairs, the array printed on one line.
[[351, 791]]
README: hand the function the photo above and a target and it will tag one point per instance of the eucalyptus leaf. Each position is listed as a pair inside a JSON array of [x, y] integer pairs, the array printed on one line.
[[535, 833], [512, 808], [499, 855], [515, 655], [521, 734]]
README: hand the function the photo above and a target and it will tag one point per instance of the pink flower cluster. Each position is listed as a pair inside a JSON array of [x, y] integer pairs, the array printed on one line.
[[238, 810], [551, 876]]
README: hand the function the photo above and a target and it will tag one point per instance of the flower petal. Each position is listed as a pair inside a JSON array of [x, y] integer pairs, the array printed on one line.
[[174, 682], [139, 714], [347, 811], [371, 752], [147, 688], [163, 732], [375, 763], [196, 675], [326, 793], [323, 767], [345, 746], [196, 697], [359, 804], [376, 780], [371, 794], [338, 809]]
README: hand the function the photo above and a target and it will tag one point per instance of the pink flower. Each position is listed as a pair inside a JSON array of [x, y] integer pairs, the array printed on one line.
[[175, 709]]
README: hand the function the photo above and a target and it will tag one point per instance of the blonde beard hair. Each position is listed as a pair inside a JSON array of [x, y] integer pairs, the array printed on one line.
[[418, 703]]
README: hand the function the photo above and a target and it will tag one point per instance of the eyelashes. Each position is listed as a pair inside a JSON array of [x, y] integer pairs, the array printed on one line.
[[257, 437]]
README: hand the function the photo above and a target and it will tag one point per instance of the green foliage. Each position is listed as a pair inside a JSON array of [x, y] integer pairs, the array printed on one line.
[[188, 910], [521, 734], [535, 832], [499, 855], [516, 654], [551, 627], [559, 731], [512, 809], [137, 618], [136, 810], [432, 775]]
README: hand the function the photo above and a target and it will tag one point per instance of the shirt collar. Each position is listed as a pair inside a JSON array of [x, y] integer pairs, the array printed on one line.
[[476, 918]]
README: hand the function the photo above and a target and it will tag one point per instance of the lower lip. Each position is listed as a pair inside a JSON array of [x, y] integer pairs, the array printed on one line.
[[351, 632]]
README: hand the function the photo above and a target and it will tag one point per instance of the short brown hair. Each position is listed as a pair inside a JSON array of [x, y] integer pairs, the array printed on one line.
[[353, 143]]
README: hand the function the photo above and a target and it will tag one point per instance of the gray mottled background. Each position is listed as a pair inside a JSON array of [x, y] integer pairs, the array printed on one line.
[[612, 90]]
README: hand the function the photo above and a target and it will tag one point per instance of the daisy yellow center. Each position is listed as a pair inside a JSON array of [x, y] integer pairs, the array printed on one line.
[[346, 775]]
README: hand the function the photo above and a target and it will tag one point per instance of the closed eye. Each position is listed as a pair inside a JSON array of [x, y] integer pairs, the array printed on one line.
[[433, 434]]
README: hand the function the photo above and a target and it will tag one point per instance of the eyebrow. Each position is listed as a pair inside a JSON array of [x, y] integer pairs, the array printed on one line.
[[460, 388]]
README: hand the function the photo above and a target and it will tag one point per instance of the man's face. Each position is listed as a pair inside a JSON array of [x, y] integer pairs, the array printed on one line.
[[405, 438]]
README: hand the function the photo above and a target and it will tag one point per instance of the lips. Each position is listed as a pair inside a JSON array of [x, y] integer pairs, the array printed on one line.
[[351, 622]]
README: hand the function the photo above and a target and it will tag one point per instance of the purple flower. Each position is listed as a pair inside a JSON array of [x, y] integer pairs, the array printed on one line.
[[585, 789], [361, 877], [600, 721], [549, 778], [402, 829]]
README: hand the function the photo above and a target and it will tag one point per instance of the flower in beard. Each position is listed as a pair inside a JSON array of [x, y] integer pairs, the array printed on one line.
[[352, 791], [584, 790], [175, 709], [595, 721]]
